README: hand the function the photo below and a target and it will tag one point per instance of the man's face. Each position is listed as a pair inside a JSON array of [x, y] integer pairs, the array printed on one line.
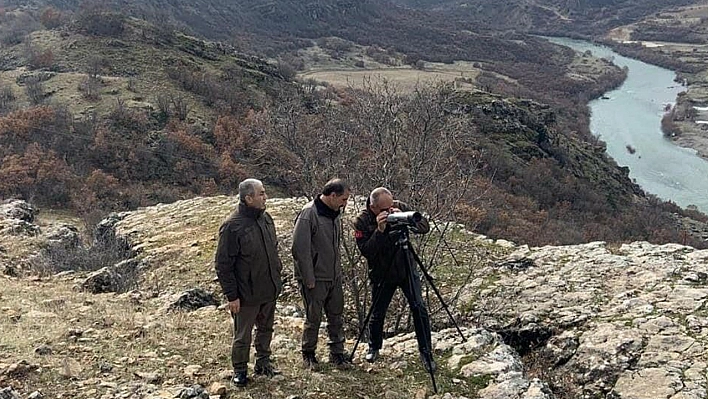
[[384, 203], [339, 201], [258, 199]]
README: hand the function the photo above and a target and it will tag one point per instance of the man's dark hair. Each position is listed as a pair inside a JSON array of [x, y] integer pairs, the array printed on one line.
[[337, 186]]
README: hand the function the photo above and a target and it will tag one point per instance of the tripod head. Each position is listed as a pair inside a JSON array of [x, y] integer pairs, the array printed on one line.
[[402, 235]]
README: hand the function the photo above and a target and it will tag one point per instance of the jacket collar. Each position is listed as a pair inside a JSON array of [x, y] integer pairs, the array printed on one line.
[[324, 210], [249, 212]]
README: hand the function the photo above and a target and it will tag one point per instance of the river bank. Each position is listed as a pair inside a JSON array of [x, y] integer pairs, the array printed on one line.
[[689, 118], [630, 118]]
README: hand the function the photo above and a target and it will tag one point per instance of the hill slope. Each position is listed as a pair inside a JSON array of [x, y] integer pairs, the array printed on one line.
[[550, 17], [588, 320], [161, 116]]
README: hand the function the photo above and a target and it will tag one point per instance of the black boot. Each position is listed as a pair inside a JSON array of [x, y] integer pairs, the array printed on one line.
[[309, 360], [240, 379], [340, 360], [372, 355], [265, 367]]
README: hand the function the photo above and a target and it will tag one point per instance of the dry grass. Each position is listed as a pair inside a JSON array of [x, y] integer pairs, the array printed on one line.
[[111, 340], [134, 336], [405, 78]]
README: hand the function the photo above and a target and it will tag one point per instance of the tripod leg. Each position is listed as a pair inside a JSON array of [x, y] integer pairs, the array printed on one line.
[[420, 318], [429, 279], [379, 292]]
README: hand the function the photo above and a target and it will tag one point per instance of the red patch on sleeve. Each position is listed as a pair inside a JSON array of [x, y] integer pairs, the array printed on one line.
[[358, 234]]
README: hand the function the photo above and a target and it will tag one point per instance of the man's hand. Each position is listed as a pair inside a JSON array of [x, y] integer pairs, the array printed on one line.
[[381, 218], [381, 221], [235, 306], [310, 284]]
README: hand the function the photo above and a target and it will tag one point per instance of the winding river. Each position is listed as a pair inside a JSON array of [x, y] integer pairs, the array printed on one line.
[[631, 116]]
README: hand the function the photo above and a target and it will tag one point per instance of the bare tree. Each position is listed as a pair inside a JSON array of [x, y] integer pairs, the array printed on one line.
[[34, 87], [180, 106], [7, 98], [415, 143], [90, 86], [163, 104]]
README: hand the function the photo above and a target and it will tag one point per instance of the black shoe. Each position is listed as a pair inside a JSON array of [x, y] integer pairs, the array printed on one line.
[[240, 379], [309, 360], [428, 363], [340, 360], [265, 367], [372, 355]]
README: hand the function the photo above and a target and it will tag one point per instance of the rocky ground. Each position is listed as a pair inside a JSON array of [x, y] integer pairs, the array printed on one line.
[[590, 320]]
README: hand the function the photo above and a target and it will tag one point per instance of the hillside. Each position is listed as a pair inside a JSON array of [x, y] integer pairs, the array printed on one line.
[[550, 17], [286, 29], [160, 116], [552, 322]]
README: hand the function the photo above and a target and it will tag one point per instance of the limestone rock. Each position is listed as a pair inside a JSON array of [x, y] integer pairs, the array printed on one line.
[[217, 388], [43, 350], [19, 369], [64, 235], [193, 299], [151, 377], [9, 393], [19, 210], [103, 280], [195, 391]]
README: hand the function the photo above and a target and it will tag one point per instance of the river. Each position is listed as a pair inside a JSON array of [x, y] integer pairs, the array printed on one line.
[[631, 115]]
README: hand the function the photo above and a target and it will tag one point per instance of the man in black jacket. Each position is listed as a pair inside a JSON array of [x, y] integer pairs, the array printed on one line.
[[248, 268], [388, 270]]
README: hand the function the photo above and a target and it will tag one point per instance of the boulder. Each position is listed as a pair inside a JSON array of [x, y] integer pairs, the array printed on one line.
[[105, 231], [103, 280], [9, 393], [19, 210], [64, 235], [193, 299], [195, 391]]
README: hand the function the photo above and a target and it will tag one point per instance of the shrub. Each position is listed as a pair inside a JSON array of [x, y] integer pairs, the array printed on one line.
[[7, 98], [101, 23], [104, 251], [34, 88], [51, 18]]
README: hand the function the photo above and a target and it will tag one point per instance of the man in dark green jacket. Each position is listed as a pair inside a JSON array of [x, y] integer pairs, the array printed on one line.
[[248, 268], [318, 269]]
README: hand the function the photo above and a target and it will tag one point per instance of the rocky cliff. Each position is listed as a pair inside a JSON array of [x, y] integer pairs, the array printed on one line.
[[591, 320]]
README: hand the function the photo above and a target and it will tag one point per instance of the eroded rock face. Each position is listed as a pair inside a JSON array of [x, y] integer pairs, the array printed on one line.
[[64, 235], [9, 393], [483, 360], [628, 323]]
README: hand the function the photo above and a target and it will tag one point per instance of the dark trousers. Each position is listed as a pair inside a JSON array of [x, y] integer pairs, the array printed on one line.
[[382, 293], [327, 296], [262, 316]]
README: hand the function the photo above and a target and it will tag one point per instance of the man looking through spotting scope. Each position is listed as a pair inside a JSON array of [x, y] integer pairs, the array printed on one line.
[[379, 240]]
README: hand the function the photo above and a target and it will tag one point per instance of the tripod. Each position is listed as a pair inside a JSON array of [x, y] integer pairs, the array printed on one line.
[[421, 317]]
